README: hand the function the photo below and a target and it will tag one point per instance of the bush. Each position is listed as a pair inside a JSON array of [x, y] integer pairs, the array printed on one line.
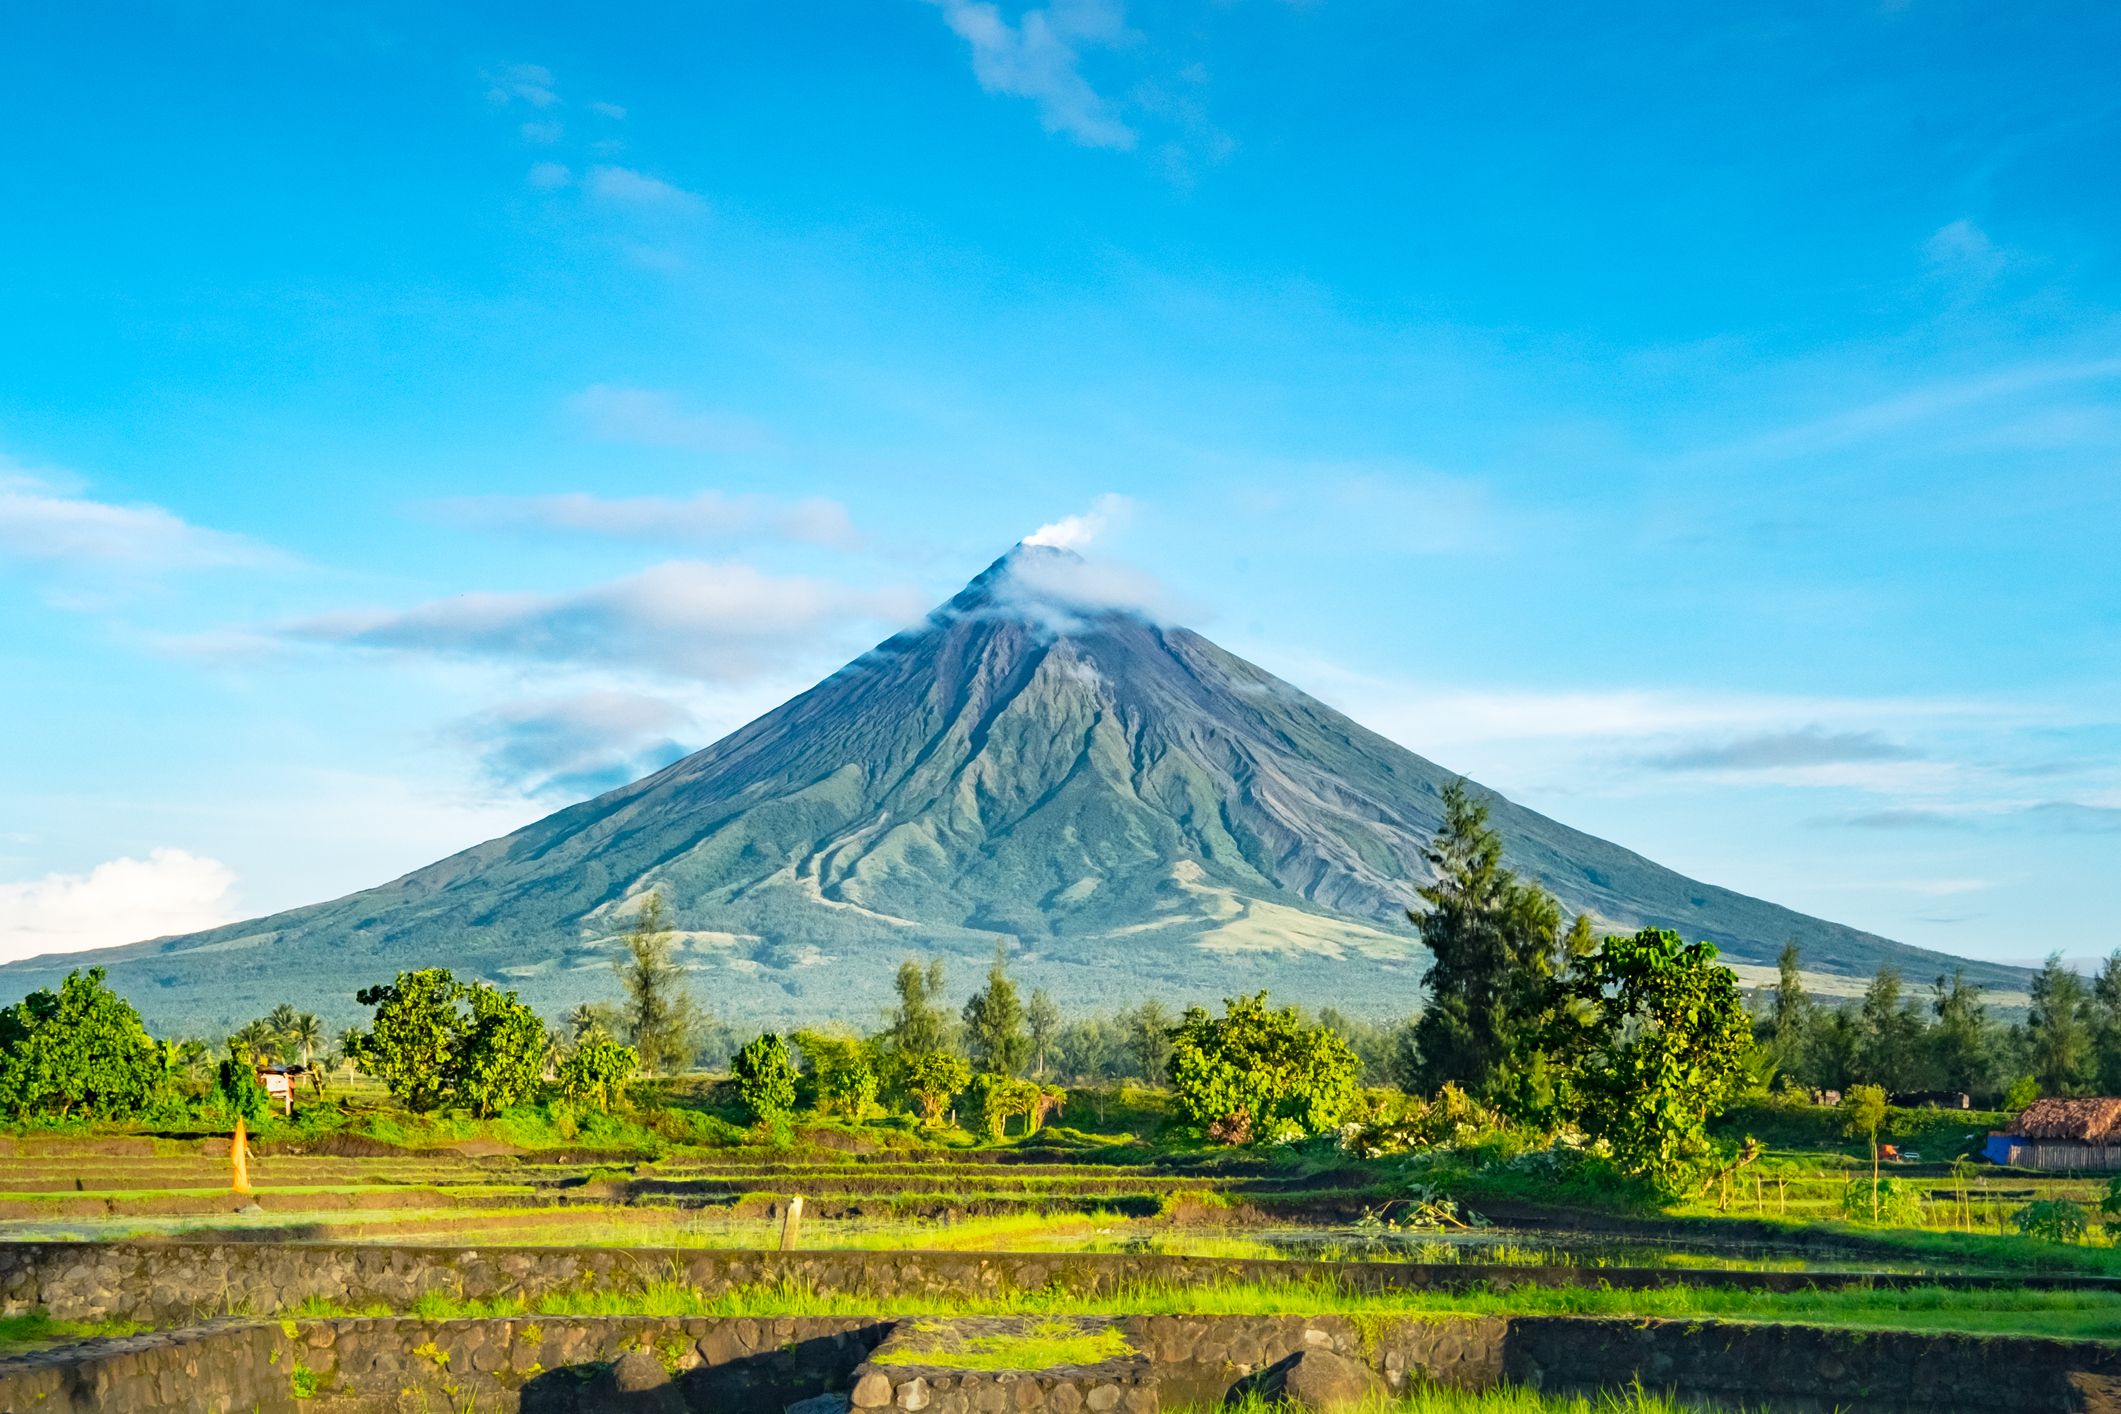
[[934, 1079], [1254, 1073], [1886, 1203], [843, 1076], [596, 1072], [765, 1079], [2052, 1220]]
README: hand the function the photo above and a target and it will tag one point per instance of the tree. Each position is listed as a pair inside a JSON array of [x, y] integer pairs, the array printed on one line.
[[1146, 1033], [1962, 1042], [1891, 1053], [411, 1043], [658, 1018], [78, 1051], [1090, 1048], [996, 1099], [500, 1053], [1494, 942], [842, 1073], [2058, 1041], [1042, 1023], [934, 1080], [1663, 1048], [918, 1026], [1255, 1073], [1790, 1023], [597, 1070], [994, 1022], [765, 1078], [2106, 1025], [1862, 1114]]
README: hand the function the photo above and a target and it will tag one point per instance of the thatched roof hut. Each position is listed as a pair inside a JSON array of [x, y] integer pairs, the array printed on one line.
[[2091, 1121]]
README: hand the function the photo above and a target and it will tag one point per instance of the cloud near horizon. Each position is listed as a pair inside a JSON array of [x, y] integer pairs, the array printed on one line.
[[1773, 751], [119, 901], [579, 746], [45, 518], [692, 619]]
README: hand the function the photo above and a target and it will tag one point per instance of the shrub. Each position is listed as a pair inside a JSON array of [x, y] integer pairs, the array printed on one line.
[[596, 1072], [2052, 1220], [1256, 1073], [934, 1079], [842, 1074], [1882, 1201], [765, 1078]]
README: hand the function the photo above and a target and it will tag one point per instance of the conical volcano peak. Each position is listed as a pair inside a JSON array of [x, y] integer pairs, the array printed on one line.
[[1060, 589]]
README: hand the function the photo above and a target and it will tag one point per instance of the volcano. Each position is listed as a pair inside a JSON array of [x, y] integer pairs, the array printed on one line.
[[1132, 810]]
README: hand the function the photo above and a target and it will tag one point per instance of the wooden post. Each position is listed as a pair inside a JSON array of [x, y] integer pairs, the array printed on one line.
[[791, 1224], [239, 1158]]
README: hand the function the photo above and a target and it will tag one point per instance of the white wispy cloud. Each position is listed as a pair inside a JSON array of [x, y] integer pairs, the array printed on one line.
[[707, 517], [550, 176], [1962, 250], [521, 83], [1767, 751], [608, 110], [625, 186], [576, 746], [651, 417], [1039, 57], [45, 518], [548, 132], [724, 622], [1077, 532], [119, 901]]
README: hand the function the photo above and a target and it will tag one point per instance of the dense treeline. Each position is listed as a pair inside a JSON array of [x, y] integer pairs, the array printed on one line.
[[1947, 1039]]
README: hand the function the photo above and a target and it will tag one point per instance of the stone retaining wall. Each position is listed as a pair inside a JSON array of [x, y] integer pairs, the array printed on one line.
[[175, 1283], [736, 1365]]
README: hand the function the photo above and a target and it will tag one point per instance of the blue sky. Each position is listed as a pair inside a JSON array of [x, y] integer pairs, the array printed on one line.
[[1701, 423]]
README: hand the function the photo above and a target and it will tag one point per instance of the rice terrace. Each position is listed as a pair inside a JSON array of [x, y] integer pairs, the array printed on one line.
[[1060, 707]]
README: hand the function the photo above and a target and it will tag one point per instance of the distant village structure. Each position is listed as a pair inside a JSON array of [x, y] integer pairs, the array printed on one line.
[[2062, 1135]]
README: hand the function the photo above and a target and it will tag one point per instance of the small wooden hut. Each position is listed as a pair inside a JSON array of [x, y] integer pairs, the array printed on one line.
[[2063, 1134]]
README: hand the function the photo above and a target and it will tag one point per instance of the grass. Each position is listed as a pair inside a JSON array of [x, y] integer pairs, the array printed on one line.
[[2062, 1314], [37, 1331], [1044, 1346]]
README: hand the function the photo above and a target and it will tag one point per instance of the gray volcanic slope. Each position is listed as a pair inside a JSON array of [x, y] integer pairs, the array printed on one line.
[[1137, 811]]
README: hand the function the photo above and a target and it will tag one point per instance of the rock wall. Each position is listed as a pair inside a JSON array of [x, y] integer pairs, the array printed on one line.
[[732, 1365], [173, 1283]]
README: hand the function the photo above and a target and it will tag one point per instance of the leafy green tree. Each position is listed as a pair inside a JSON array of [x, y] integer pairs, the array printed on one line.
[[934, 1080], [1042, 1026], [1891, 1052], [659, 1018], [1962, 1040], [596, 1072], [500, 1054], [1836, 1043], [919, 1025], [996, 1099], [2021, 1092], [1494, 942], [842, 1073], [1090, 1048], [1662, 1050], [2106, 1025], [1255, 1073], [765, 1078], [1146, 1039], [1790, 1023], [79, 1051], [411, 1042], [2052, 1220], [236, 1087], [2057, 1033], [1863, 1113], [994, 1022]]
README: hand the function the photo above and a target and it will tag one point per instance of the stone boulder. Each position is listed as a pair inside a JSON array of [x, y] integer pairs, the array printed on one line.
[[636, 1383], [1317, 1379]]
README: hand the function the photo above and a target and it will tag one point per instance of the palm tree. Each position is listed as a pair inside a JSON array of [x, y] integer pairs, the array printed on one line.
[[306, 1031]]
